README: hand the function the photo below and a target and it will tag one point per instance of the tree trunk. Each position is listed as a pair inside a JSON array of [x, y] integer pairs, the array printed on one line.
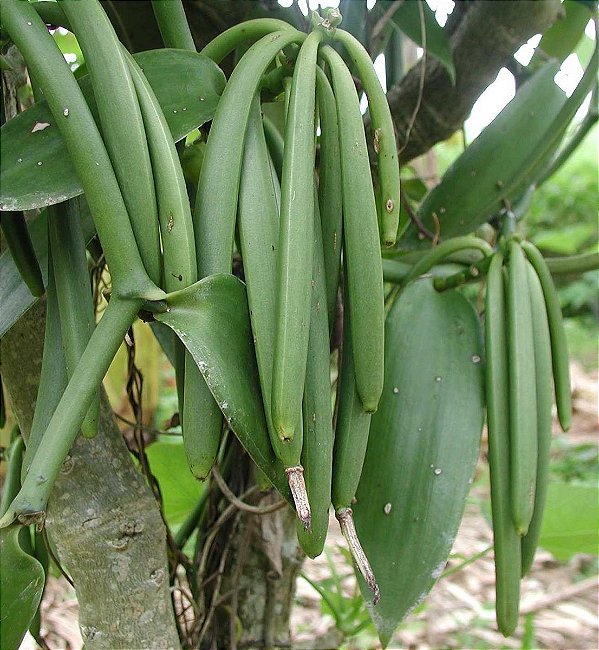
[[246, 565], [102, 517]]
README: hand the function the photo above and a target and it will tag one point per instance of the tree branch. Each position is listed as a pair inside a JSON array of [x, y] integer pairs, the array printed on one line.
[[484, 37]]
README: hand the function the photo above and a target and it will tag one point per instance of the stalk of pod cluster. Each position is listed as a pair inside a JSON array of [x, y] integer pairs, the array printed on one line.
[[295, 227]]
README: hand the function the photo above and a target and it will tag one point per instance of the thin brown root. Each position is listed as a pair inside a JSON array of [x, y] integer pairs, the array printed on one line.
[[297, 485], [346, 521]]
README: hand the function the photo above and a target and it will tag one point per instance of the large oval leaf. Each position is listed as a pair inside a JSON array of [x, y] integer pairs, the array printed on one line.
[[507, 158], [211, 318], [36, 169], [21, 587], [423, 447]]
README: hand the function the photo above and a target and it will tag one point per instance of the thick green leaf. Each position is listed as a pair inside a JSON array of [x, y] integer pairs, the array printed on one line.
[[473, 188], [179, 488], [15, 297], [211, 318], [36, 170], [507, 158], [408, 19], [423, 447], [563, 36], [21, 587], [570, 521]]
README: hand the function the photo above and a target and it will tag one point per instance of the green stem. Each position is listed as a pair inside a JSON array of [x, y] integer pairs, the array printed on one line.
[[85, 145], [473, 273], [440, 252], [173, 24], [18, 241], [30, 504], [573, 263], [395, 272], [121, 122], [250, 30]]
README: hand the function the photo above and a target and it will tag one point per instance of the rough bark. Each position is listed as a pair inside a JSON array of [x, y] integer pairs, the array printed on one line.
[[483, 40], [265, 549], [102, 517]]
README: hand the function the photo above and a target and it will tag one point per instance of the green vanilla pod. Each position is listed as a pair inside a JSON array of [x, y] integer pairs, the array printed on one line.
[[121, 122], [330, 196], [362, 252], [384, 143], [351, 439], [53, 375], [542, 356], [317, 451], [294, 262], [217, 196], [258, 226], [506, 540], [559, 346], [522, 390]]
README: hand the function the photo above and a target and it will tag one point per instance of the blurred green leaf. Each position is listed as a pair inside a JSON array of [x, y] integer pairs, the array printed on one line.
[[565, 241], [570, 521], [179, 488]]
